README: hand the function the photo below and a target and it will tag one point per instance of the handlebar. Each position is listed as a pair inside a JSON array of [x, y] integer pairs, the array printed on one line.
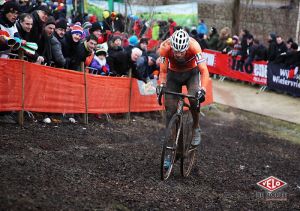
[[161, 89]]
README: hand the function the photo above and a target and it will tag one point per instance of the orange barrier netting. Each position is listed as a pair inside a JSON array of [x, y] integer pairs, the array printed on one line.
[[10, 85], [56, 90]]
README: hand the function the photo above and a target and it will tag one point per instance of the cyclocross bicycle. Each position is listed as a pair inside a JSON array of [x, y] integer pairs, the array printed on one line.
[[178, 136]]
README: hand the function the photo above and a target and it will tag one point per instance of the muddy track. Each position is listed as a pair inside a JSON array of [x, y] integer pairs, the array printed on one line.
[[115, 166]]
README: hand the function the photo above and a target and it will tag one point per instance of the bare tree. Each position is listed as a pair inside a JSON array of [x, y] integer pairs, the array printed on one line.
[[165, 2], [297, 37], [236, 11]]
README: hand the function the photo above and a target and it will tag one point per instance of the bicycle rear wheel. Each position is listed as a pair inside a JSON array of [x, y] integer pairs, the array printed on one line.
[[188, 158], [170, 145]]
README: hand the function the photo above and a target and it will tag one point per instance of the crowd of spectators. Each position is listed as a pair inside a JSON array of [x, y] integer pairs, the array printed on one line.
[[113, 44]]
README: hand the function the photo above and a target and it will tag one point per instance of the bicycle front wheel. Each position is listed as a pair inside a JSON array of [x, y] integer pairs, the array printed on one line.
[[170, 145], [188, 158]]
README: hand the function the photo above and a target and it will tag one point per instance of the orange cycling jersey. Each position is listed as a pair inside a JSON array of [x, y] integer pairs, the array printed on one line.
[[192, 59]]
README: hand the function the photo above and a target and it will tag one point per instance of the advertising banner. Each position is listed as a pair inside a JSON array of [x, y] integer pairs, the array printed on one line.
[[233, 67], [284, 79], [182, 14]]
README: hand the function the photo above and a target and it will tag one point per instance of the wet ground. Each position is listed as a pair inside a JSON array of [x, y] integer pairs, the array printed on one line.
[[115, 165]]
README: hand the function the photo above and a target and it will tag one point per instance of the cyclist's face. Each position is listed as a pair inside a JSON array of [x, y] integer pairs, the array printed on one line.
[[179, 55]]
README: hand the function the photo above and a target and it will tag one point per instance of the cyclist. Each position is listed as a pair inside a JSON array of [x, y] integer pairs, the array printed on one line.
[[182, 60]]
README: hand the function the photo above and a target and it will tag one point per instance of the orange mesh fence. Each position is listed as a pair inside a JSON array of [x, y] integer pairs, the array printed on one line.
[[55, 90], [107, 94], [10, 84]]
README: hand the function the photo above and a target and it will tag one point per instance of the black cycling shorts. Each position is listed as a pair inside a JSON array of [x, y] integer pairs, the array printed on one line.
[[175, 81]]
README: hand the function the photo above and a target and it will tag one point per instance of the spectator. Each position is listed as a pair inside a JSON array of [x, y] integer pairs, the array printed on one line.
[[116, 22], [8, 17], [289, 43], [60, 29], [229, 46], [290, 58], [244, 34], [115, 45], [24, 25], [8, 27], [143, 45], [137, 27], [280, 46], [213, 39], [202, 41], [194, 35], [86, 28], [236, 46], [106, 20], [155, 31], [96, 30], [172, 25], [202, 28], [56, 43], [293, 56], [257, 52], [133, 42], [122, 61], [147, 68], [272, 47], [224, 35], [82, 51], [45, 48], [99, 64], [70, 42], [40, 17]]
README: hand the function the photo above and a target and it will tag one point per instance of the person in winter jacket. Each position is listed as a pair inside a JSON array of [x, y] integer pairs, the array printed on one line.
[[56, 43], [99, 65], [8, 17], [272, 47], [82, 51], [213, 40], [70, 43]]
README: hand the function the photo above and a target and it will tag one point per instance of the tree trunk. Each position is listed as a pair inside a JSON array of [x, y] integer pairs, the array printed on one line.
[[298, 25], [236, 7], [165, 2]]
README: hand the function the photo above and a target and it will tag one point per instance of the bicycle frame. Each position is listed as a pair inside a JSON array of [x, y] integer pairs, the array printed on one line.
[[185, 152]]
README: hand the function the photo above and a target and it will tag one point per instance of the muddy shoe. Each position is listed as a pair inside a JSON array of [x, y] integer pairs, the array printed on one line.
[[196, 138]]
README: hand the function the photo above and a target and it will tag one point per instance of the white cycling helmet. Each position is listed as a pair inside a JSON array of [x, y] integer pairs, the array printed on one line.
[[180, 40]]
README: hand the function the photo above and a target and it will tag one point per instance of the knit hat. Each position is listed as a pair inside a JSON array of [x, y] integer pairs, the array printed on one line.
[[95, 26], [61, 24], [105, 14], [273, 35], [153, 57], [50, 20], [45, 9], [101, 51], [114, 38], [86, 25], [77, 29], [235, 37], [10, 6], [144, 40], [113, 14], [213, 30], [133, 40]]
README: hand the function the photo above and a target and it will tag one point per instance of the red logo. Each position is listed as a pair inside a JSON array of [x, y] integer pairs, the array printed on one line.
[[271, 184]]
